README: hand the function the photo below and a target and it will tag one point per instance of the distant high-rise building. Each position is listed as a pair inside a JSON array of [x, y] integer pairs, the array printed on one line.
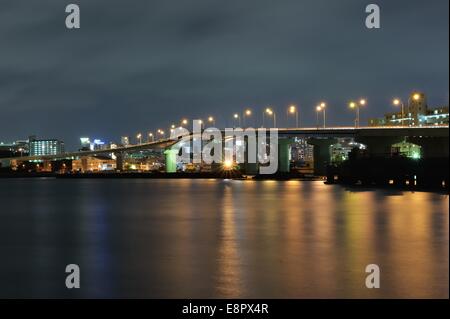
[[417, 108], [302, 151], [125, 141], [45, 147]]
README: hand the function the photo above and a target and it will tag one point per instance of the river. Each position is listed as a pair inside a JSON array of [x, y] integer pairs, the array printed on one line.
[[149, 238]]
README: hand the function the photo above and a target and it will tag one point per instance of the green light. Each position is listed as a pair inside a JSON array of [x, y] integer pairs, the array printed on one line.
[[416, 155]]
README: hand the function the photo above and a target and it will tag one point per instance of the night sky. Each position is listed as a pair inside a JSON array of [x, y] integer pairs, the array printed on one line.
[[140, 65]]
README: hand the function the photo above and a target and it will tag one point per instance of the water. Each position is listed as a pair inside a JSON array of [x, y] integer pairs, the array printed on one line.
[[210, 238]]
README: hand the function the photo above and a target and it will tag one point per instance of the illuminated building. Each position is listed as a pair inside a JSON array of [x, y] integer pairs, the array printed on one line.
[[125, 141], [96, 144], [340, 151], [93, 164], [85, 143], [416, 113], [45, 147], [302, 151], [405, 149], [18, 148]]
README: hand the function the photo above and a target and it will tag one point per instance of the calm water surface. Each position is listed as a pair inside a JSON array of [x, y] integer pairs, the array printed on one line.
[[209, 238]]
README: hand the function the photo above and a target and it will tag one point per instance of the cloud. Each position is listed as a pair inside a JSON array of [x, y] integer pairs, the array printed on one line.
[[141, 65]]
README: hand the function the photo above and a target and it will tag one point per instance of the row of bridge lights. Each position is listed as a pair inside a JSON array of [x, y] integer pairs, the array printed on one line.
[[292, 110]]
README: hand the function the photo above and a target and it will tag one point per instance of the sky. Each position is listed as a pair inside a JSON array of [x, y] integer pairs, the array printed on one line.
[[141, 65]]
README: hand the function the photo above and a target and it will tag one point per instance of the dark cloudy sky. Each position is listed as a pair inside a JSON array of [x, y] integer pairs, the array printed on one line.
[[139, 65]]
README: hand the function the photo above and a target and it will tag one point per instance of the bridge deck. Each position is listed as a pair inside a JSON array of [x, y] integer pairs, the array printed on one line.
[[425, 131]]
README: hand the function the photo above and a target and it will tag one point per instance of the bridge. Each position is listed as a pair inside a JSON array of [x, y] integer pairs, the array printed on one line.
[[434, 141]]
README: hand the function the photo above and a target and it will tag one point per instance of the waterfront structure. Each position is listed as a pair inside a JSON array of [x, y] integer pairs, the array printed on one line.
[[415, 113], [40, 147], [406, 149], [93, 164]]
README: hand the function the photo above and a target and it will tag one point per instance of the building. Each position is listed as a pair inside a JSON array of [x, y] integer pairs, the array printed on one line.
[[93, 164], [125, 141], [85, 143], [415, 113], [302, 151], [18, 148], [45, 147], [95, 145], [340, 151], [406, 149]]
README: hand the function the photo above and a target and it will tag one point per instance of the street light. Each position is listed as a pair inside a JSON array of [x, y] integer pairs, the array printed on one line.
[[151, 138], [416, 97], [323, 108], [270, 112], [318, 110], [398, 102], [247, 113], [212, 120], [292, 110], [184, 121], [139, 137], [355, 106], [237, 117]]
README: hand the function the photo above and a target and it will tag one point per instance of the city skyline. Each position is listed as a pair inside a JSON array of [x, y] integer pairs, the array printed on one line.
[[130, 71]]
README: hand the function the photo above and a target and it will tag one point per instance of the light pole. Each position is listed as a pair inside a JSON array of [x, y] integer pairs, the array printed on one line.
[[151, 138], [318, 110], [212, 120], [139, 137], [238, 118], [362, 102], [246, 113], [355, 106], [322, 108], [416, 97], [398, 102], [270, 112], [184, 122], [293, 110]]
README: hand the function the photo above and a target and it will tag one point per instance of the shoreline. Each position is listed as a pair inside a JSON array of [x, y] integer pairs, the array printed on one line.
[[221, 176], [160, 175]]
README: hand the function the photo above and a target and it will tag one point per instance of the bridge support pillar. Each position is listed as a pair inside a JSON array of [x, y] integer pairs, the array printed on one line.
[[321, 154], [248, 168], [119, 161], [171, 160], [284, 155]]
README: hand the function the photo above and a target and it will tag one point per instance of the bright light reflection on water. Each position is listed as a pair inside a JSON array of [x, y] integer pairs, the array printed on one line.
[[208, 238]]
